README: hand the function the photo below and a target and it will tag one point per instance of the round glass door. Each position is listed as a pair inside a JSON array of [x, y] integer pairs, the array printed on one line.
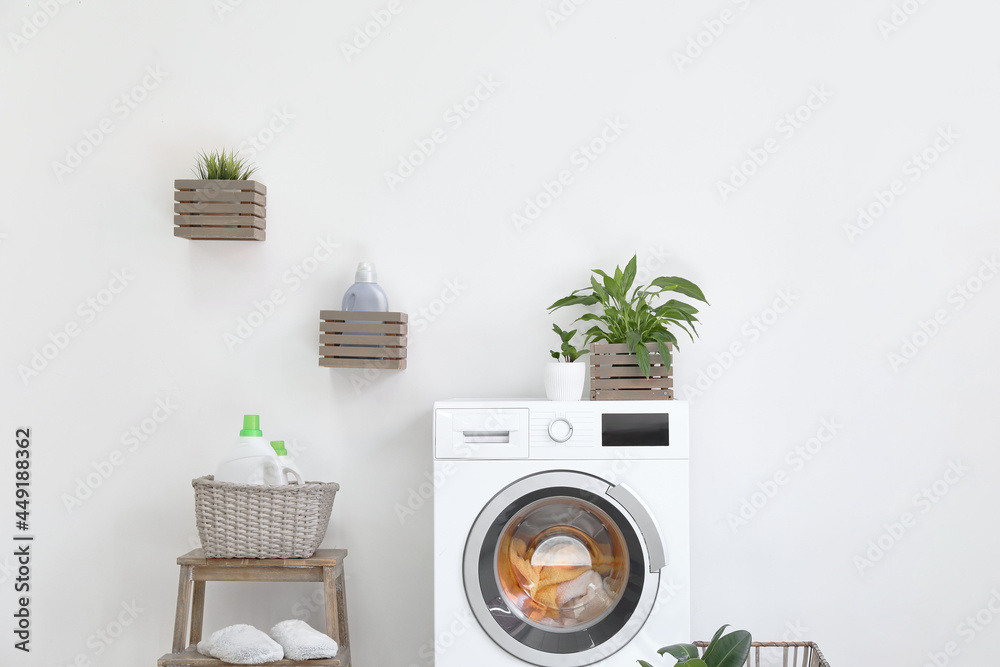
[[556, 571], [562, 563]]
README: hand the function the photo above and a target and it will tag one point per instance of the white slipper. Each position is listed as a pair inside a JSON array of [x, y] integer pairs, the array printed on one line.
[[241, 645], [301, 642]]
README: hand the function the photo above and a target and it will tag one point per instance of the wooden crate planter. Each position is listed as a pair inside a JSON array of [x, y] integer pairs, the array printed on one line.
[[357, 339], [219, 210], [615, 375]]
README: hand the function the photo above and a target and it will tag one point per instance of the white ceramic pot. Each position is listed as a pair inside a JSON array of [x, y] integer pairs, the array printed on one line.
[[565, 382]]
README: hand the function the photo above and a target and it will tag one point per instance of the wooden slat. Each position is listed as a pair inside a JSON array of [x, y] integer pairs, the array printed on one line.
[[622, 360], [363, 315], [364, 352], [347, 339], [632, 383], [219, 197], [321, 558], [220, 233], [251, 573], [218, 184], [623, 371], [191, 658], [630, 394], [377, 364], [362, 327], [220, 221], [228, 209]]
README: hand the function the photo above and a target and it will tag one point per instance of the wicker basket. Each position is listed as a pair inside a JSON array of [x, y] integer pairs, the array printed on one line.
[[782, 654], [256, 521]]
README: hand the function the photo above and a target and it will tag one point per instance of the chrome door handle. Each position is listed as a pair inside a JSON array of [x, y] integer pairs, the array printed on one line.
[[647, 525]]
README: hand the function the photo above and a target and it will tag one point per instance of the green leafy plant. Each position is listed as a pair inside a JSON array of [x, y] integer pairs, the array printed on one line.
[[223, 166], [723, 651], [628, 314], [566, 351]]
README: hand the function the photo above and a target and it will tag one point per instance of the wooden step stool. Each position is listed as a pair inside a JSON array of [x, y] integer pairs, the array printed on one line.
[[326, 565]]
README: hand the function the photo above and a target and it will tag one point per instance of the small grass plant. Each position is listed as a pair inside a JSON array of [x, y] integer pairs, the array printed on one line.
[[220, 165]]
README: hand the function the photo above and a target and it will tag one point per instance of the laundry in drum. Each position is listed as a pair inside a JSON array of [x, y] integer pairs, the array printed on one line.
[[562, 562]]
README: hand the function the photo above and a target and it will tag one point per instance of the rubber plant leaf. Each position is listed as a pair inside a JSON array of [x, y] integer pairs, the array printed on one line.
[[731, 650], [715, 640], [683, 652]]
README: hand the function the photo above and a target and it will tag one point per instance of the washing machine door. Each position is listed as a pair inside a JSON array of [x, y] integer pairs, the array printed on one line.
[[561, 568]]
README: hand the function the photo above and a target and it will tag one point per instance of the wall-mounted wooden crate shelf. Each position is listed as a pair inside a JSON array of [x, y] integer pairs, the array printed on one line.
[[359, 339], [219, 210], [615, 375]]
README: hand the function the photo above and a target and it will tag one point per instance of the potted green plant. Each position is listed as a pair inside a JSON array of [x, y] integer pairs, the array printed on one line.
[[723, 651], [564, 378], [631, 339], [222, 203]]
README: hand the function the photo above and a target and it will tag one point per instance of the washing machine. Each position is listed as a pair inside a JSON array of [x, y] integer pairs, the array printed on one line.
[[561, 532]]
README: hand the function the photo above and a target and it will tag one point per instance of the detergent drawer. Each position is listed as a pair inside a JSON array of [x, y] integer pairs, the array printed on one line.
[[470, 433]]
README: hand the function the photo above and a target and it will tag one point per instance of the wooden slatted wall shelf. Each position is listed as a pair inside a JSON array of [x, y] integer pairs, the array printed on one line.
[[220, 210], [359, 339], [615, 375]]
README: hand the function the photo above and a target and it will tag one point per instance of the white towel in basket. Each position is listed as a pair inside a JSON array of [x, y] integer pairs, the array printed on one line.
[[241, 645], [302, 642]]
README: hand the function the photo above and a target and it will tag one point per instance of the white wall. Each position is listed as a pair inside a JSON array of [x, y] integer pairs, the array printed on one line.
[[655, 190]]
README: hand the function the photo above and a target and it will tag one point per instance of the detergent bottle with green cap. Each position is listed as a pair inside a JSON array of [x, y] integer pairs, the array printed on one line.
[[250, 460], [292, 473]]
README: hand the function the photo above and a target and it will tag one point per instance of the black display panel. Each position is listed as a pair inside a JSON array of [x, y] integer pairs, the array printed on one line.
[[635, 430]]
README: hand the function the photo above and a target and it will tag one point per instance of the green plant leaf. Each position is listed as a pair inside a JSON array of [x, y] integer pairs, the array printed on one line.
[[574, 300], [633, 339], [680, 651], [681, 286], [628, 276], [642, 355], [696, 662], [643, 663], [555, 355], [715, 639], [665, 356], [730, 650]]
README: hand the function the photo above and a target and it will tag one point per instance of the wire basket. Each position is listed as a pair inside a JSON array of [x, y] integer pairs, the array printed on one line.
[[782, 654], [259, 521]]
